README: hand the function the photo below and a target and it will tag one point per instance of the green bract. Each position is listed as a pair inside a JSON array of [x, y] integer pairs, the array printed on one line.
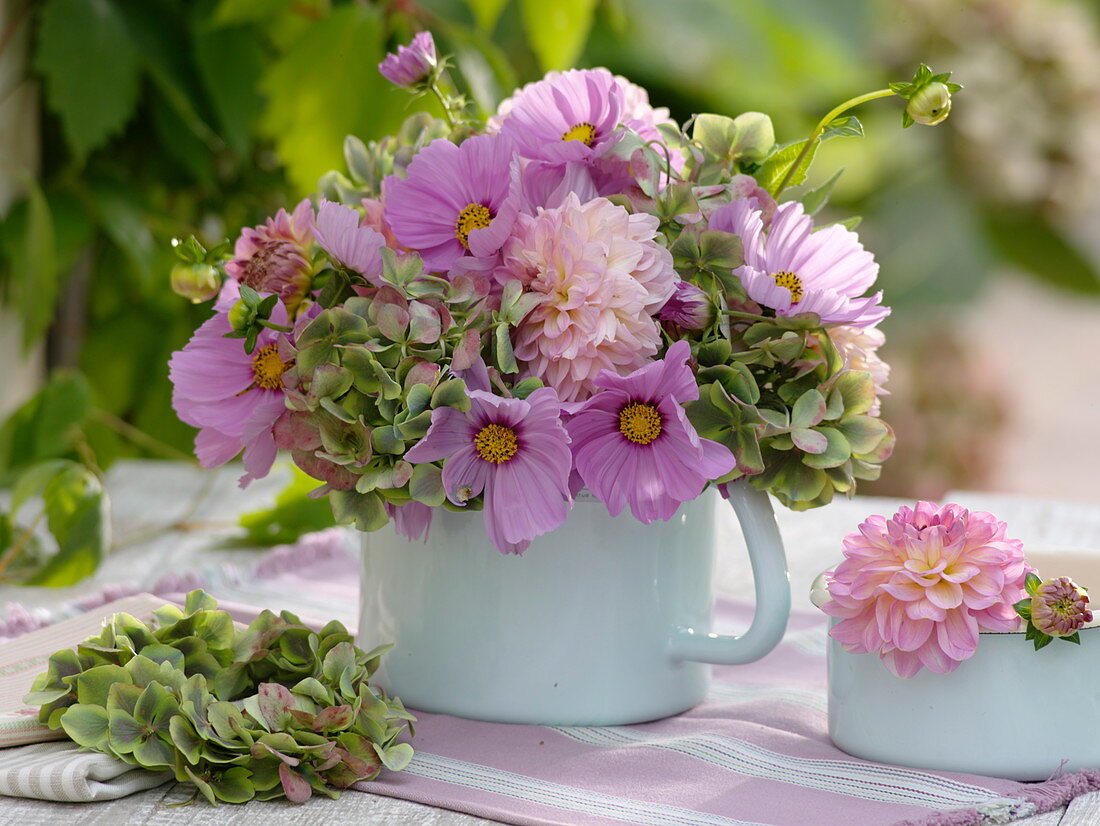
[[795, 417], [275, 709]]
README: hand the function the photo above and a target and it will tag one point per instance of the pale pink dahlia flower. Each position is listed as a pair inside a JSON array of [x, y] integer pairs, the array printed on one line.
[[410, 64], [233, 397], [275, 257], [916, 589], [858, 346], [515, 451], [1059, 607], [794, 269], [602, 277]]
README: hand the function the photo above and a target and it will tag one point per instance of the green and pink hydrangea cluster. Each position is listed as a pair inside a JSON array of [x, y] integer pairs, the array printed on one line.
[[577, 293]]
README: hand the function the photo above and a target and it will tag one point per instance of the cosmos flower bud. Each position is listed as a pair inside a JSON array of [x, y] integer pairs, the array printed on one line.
[[197, 282], [1059, 607], [412, 64], [931, 105]]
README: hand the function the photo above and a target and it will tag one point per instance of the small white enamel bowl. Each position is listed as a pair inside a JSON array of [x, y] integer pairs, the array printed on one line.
[[1008, 711]]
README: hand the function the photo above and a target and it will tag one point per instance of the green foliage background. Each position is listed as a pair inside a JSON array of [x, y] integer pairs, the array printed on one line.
[[162, 118]]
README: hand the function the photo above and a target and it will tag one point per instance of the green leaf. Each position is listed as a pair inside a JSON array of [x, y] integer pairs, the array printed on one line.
[[836, 452], [808, 410], [86, 725], [230, 62], [847, 126], [426, 485], [91, 66], [43, 427], [94, 685], [366, 510], [815, 199], [557, 31], [36, 282], [77, 516], [326, 86], [1032, 583], [234, 12], [773, 171], [1036, 246], [486, 12], [396, 757], [505, 357]]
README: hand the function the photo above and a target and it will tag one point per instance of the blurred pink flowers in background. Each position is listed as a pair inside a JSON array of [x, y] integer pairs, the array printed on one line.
[[917, 588]]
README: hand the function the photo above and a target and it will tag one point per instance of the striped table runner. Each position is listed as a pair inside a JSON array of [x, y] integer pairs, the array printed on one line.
[[756, 753]]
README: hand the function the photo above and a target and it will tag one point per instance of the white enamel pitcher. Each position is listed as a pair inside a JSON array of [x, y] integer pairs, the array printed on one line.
[[604, 621]]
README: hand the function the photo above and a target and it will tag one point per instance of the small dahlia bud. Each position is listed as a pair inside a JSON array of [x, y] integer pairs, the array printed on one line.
[[412, 64], [197, 282], [931, 105], [1059, 607], [241, 316], [688, 308]]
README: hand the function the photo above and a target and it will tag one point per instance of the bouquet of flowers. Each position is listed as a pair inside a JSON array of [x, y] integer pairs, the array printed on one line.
[[577, 293]]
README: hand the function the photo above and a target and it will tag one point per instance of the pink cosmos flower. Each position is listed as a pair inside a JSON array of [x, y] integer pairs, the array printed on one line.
[[515, 451], [916, 589], [858, 346], [794, 269], [633, 443], [338, 231], [411, 64], [566, 116], [454, 201], [1059, 607], [602, 276], [234, 398], [275, 257]]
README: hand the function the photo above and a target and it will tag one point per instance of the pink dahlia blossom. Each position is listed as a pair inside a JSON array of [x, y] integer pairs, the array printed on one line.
[[233, 397], [515, 451], [916, 589], [633, 443], [794, 269], [1059, 607], [858, 347], [410, 64], [275, 257], [455, 201], [358, 248], [602, 277]]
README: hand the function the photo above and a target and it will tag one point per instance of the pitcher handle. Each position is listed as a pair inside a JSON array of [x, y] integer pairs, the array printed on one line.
[[770, 580]]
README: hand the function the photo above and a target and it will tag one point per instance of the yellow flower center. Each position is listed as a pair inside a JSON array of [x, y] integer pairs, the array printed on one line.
[[268, 368], [473, 216], [792, 282], [583, 132], [640, 422], [496, 443]]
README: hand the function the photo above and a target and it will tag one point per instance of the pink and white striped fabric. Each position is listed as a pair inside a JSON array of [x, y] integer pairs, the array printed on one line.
[[756, 753]]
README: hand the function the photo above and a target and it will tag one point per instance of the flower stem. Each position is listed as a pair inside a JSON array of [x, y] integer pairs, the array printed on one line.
[[443, 102], [821, 124]]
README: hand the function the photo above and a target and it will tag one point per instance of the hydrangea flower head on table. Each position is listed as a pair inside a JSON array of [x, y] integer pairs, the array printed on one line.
[[578, 292]]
